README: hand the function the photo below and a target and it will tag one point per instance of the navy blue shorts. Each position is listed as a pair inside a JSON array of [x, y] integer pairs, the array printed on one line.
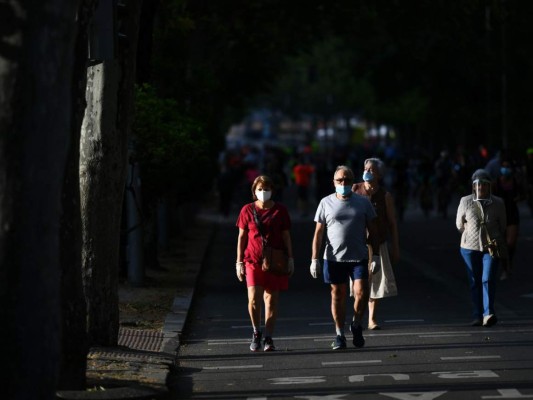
[[340, 272]]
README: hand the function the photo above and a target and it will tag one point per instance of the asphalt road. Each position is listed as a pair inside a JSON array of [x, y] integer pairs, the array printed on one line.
[[426, 349]]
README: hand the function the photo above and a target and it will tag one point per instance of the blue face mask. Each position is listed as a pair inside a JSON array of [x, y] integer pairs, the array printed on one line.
[[505, 171], [367, 176], [343, 190]]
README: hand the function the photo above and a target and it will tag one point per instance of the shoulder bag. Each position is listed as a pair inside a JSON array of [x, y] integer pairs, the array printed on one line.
[[275, 261]]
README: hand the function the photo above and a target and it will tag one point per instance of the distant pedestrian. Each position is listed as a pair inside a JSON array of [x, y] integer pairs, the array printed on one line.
[[303, 172], [482, 222], [382, 280], [529, 178], [263, 287], [510, 188], [342, 221]]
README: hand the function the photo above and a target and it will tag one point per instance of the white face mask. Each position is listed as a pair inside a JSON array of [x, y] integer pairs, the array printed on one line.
[[263, 195]]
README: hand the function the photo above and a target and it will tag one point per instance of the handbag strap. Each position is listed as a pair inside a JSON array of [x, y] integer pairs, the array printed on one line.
[[260, 226], [484, 221]]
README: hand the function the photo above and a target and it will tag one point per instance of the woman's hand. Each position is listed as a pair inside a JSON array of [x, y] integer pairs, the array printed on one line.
[[239, 269], [290, 266]]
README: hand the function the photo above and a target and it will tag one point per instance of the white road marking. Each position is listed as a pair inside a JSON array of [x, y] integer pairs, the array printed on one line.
[[469, 358], [395, 321], [361, 378], [352, 362], [234, 367], [509, 394], [297, 380], [445, 335], [414, 395], [330, 337], [466, 374]]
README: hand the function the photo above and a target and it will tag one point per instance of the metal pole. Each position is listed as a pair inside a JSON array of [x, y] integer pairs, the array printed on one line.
[[504, 78], [134, 226]]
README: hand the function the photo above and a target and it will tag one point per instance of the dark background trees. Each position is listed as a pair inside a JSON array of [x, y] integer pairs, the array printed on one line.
[[441, 72]]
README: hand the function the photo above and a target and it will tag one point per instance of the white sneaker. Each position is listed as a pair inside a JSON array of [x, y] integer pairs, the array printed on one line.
[[489, 320]]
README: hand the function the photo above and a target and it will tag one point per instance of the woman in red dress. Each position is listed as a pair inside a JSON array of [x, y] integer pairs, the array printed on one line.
[[263, 287]]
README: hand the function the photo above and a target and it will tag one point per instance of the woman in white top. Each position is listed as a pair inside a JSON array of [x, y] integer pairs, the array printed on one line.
[[482, 222]]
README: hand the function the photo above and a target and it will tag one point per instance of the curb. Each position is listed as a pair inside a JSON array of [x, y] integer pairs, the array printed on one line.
[[155, 365]]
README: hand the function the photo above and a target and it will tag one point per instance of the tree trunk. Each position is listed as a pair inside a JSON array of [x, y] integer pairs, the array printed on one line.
[[36, 53], [103, 161], [101, 186], [73, 304]]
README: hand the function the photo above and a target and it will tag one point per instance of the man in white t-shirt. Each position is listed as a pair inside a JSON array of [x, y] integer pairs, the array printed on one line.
[[343, 220]]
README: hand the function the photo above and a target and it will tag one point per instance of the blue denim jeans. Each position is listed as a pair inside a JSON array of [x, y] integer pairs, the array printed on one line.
[[481, 269]]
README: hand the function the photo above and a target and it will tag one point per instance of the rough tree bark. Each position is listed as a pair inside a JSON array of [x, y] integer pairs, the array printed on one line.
[[103, 161], [36, 53], [74, 341]]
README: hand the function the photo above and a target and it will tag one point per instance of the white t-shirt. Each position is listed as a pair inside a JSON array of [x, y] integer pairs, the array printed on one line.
[[346, 222]]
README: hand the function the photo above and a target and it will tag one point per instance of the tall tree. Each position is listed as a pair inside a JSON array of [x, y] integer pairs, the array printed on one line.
[[73, 305], [103, 161], [36, 53]]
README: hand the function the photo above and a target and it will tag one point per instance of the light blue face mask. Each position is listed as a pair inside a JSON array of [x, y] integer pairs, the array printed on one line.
[[506, 171], [343, 190], [367, 176]]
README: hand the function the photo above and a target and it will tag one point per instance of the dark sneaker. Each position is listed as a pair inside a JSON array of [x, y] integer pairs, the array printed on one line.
[[256, 341], [269, 344], [489, 320], [339, 343], [357, 332]]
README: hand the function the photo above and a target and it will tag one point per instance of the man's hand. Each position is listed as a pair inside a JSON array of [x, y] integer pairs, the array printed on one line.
[[239, 268], [290, 266], [315, 268]]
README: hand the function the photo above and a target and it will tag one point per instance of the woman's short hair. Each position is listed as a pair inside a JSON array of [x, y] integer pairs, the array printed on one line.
[[346, 169], [265, 180], [377, 163]]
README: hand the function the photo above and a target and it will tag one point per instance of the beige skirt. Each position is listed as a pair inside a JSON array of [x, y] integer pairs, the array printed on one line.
[[382, 282]]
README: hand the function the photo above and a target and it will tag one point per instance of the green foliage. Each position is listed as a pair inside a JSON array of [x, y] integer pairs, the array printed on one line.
[[167, 144]]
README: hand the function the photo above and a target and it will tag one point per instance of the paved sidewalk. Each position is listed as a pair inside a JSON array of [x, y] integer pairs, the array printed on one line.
[[143, 358]]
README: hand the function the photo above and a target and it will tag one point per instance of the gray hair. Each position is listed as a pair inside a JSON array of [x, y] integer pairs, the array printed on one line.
[[377, 163], [346, 169]]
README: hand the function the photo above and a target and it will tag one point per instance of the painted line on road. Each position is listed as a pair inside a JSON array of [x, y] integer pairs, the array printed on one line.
[[395, 321], [328, 338], [351, 362], [469, 358], [446, 335], [234, 367]]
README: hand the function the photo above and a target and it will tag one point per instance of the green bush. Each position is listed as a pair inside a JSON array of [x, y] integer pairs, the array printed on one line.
[[170, 147]]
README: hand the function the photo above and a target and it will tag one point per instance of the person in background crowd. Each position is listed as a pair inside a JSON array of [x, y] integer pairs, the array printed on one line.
[[494, 164], [401, 186], [510, 190], [529, 178], [382, 280], [303, 171], [262, 286], [443, 178], [342, 221], [481, 219]]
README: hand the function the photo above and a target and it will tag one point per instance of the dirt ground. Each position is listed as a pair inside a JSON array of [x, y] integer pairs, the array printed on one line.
[[144, 308]]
